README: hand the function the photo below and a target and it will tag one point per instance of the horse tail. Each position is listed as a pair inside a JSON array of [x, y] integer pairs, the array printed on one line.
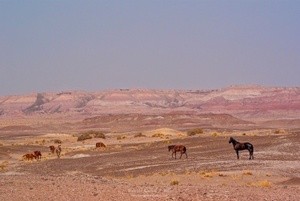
[[184, 149]]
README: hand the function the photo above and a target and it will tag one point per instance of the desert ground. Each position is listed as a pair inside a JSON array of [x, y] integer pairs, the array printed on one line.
[[137, 166]]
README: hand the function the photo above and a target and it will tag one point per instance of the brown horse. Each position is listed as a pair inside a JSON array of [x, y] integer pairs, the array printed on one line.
[[242, 146], [58, 151], [29, 157], [177, 148], [100, 144], [52, 149], [37, 154]]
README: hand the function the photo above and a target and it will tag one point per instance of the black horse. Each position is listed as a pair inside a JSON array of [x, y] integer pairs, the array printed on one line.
[[242, 146]]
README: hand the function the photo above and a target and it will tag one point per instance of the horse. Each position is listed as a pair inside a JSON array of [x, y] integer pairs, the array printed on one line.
[[177, 148], [100, 144], [52, 149], [237, 146], [58, 151], [37, 154], [29, 157]]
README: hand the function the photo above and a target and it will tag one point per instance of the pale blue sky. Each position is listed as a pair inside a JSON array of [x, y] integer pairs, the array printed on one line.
[[158, 44]]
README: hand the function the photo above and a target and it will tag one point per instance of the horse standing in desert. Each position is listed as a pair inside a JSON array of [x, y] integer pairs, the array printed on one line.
[[238, 146], [177, 148]]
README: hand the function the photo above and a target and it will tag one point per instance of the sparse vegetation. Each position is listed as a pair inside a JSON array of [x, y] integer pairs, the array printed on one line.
[[3, 165], [247, 172], [84, 136], [279, 131], [158, 135], [263, 183], [207, 174], [174, 182], [90, 134], [57, 141], [214, 134], [99, 135], [121, 137], [195, 131], [139, 135]]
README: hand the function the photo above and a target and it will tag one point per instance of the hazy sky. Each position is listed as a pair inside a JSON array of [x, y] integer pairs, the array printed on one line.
[[158, 44]]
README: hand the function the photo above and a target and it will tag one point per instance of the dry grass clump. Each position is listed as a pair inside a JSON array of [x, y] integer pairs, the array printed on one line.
[[247, 172], [4, 165], [121, 137], [139, 135], [215, 134], [279, 131], [207, 174], [174, 182], [263, 183], [84, 136], [57, 141], [195, 131], [90, 134], [161, 135]]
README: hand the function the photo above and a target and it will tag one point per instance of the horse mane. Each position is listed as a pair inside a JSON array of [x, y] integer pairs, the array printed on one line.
[[233, 140]]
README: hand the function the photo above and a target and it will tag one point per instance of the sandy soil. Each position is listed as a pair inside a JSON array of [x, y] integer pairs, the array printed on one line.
[[141, 168]]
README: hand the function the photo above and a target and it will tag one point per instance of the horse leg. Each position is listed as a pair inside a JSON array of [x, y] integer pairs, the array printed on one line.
[[175, 154], [180, 154], [251, 154], [237, 154]]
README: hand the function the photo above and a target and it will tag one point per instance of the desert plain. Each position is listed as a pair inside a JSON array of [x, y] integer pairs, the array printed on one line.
[[136, 127]]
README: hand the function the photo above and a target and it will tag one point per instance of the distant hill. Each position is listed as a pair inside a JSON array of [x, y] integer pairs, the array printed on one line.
[[246, 103]]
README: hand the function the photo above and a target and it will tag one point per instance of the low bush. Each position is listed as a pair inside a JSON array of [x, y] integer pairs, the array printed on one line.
[[139, 135], [84, 136], [195, 131], [57, 141], [174, 182]]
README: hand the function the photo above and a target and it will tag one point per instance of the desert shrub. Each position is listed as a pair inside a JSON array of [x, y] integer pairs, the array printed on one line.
[[4, 165], [139, 135], [121, 137], [84, 136], [207, 174], [57, 141], [95, 134], [264, 184], [278, 131], [214, 134], [158, 135], [194, 131], [99, 135], [247, 172], [174, 182]]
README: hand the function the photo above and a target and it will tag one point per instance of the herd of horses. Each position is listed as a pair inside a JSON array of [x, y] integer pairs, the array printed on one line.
[[237, 146], [38, 155]]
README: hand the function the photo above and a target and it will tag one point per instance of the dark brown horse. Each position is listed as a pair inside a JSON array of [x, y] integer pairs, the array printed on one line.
[[238, 146], [177, 148], [38, 154], [29, 157], [52, 149]]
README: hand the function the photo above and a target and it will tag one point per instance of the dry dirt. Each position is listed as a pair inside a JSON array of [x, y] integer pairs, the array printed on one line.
[[141, 168]]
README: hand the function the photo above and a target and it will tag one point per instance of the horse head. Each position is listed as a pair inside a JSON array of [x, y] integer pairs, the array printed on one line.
[[170, 147], [231, 140]]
